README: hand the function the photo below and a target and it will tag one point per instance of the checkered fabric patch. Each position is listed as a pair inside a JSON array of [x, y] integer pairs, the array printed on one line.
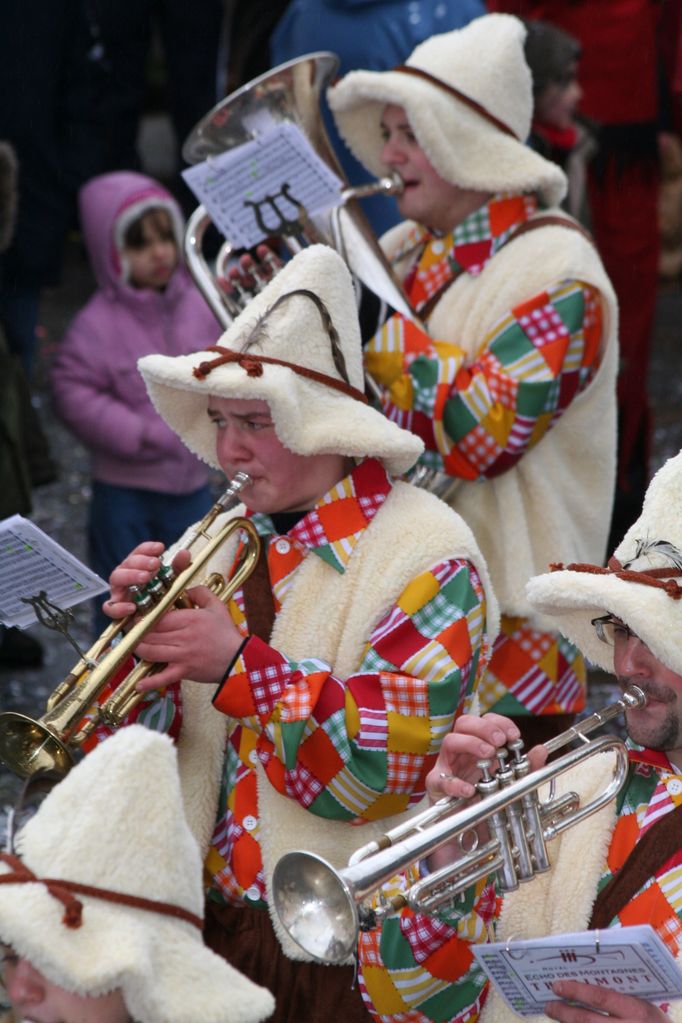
[[532, 672]]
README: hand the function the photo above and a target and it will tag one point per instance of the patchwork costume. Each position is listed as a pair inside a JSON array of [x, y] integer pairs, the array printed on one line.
[[511, 373], [384, 618], [422, 965]]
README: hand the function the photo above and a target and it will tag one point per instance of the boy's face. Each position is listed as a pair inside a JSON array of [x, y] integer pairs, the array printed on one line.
[[37, 1000], [282, 480], [151, 264]]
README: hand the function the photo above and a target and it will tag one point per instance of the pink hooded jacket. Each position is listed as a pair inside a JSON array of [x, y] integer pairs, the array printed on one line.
[[98, 390]]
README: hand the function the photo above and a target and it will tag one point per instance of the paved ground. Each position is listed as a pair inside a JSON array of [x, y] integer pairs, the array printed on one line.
[[60, 507]]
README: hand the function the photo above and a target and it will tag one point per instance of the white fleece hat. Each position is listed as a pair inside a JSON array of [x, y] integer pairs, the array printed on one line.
[[641, 586], [471, 114], [313, 333], [116, 823]]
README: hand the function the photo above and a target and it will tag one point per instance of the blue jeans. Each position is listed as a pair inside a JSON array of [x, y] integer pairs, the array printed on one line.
[[123, 517]]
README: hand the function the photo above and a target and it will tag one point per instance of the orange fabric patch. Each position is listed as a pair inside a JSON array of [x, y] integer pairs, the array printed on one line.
[[509, 663], [455, 464], [318, 754], [246, 859], [554, 354], [235, 699], [538, 301], [275, 768], [625, 835], [341, 518], [653, 908], [449, 961], [505, 214]]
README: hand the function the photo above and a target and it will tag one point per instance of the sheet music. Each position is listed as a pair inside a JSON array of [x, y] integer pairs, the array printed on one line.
[[31, 561], [631, 960], [267, 179]]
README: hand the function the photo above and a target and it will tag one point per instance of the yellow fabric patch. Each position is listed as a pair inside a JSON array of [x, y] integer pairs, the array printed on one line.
[[382, 991], [417, 593], [247, 743], [498, 423], [386, 805], [386, 367], [407, 734], [402, 393]]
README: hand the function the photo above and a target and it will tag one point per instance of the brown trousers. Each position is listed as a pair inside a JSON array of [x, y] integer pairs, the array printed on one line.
[[304, 992]]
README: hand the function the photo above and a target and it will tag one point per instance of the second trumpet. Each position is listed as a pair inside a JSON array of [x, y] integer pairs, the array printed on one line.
[[323, 909]]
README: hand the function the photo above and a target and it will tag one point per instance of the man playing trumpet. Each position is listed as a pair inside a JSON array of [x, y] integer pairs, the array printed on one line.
[[329, 683], [626, 618]]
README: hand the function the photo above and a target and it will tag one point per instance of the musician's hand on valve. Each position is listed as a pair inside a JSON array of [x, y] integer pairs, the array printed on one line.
[[471, 739], [138, 569], [249, 274], [598, 1002]]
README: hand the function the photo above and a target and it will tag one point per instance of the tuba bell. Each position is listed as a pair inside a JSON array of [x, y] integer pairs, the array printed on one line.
[[288, 93], [29, 745]]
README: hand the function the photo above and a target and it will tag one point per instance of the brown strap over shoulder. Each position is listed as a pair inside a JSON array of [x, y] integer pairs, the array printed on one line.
[[655, 848], [259, 605]]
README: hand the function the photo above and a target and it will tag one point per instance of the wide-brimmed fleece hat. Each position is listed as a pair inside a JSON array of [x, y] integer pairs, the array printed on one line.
[[642, 584], [104, 891], [296, 346], [469, 101]]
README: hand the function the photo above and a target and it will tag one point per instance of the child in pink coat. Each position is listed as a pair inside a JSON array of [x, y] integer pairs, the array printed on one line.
[[144, 480]]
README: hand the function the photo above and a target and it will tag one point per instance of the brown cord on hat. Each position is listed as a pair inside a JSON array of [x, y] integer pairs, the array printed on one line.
[[408, 69], [253, 365], [660, 578], [73, 907]]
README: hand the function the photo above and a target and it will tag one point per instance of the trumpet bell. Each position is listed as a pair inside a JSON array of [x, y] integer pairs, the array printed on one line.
[[316, 907], [28, 746]]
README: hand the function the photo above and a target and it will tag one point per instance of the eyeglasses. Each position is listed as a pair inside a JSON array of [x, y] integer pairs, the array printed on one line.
[[611, 630]]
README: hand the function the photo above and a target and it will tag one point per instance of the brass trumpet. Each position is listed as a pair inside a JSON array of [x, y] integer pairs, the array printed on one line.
[[47, 744], [322, 909]]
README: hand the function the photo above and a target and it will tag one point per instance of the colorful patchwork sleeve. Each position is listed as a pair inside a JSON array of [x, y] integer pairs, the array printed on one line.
[[421, 968], [477, 419], [360, 748]]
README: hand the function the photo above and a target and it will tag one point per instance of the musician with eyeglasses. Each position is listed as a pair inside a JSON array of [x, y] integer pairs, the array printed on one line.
[[620, 866], [333, 673], [91, 931], [509, 375]]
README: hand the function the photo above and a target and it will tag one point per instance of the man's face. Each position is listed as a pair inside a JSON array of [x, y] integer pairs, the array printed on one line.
[[282, 480], [426, 197], [658, 725], [36, 1000]]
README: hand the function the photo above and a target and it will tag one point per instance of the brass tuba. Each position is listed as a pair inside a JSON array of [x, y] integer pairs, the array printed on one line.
[[323, 909], [290, 92], [47, 744]]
